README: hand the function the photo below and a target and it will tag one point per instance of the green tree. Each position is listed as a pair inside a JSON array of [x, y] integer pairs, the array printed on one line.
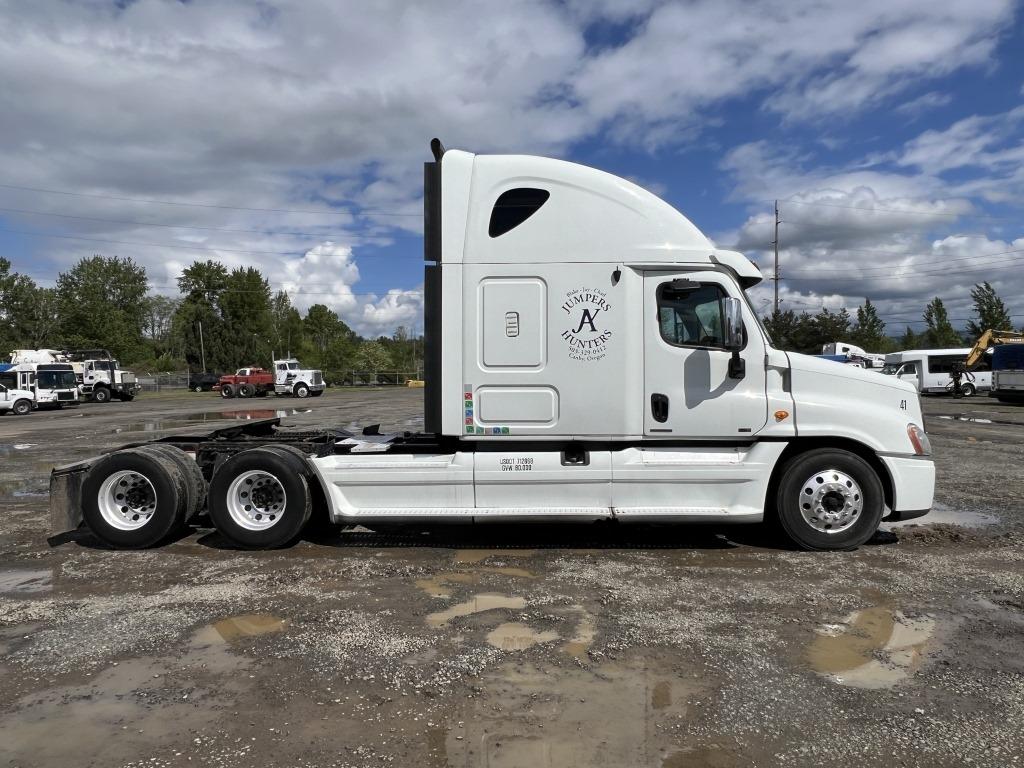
[[198, 327], [245, 309], [939, 332], [990, 309], [373, 356], [869, 330], [204, 280], [160, 312], [783, 326], [911, 340], [286, 322], [102, 303]]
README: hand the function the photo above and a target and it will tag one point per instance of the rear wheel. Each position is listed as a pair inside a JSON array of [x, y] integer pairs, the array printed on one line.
[[829, 499], [260, 498], [134, 499], [246, 390], [22, 407], [101, 395], [968, 390], [227, 391]]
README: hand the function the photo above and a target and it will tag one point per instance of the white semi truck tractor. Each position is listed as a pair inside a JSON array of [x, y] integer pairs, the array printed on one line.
[[590, 356]]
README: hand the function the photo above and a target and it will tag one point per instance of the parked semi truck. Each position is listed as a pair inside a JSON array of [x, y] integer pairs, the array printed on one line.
[[287, 378], [590, 356]]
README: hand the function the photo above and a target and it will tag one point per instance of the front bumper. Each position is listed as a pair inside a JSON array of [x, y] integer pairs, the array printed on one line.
[[913, 482]]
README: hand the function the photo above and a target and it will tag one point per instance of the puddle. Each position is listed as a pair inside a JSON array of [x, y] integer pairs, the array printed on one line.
[[24, 487], [246, 625], [192, 419], [473, 556], [25, 581], [873, 648], [579, 643], [544, 715], [435, 585], [942, 514], [513, 636], [476, 604]]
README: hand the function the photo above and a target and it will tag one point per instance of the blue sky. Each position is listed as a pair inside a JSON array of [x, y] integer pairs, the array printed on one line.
[[892, 133]]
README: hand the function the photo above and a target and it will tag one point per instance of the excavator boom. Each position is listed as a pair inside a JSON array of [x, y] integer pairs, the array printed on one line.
[[988, 339]]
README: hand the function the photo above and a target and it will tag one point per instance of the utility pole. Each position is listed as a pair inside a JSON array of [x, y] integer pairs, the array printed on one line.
[[775, 242], [202, 347]]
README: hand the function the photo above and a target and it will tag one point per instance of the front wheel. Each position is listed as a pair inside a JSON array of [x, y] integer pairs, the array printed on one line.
[[101, 395], [197, 388], [301, 390], [829, 499], [22, 408]]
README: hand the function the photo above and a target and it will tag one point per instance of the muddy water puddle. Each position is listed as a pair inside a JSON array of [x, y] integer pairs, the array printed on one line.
[[546, 716], [235, 627], [872, 648], [941, 514], [476, 604], [514, 636], [441, 584], [180, 421], [25, 581]]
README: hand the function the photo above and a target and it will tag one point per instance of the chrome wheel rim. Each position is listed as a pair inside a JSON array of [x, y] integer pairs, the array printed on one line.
[[831, 501], [127, 500], [256, 500]]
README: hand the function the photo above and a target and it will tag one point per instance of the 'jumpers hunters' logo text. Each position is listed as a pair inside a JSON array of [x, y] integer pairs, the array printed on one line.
[[586, 330]]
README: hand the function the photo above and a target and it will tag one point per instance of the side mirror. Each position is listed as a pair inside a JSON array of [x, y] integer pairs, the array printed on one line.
[[732, 317]]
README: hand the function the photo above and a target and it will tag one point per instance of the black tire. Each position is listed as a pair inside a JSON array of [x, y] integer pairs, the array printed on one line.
[[799, 483], [246, 390], [197, 388], [968, 390], [227, 391], [195, 483], [101, 395], [261, 393], [169, 497], [301, 390], [292, 476], [22, 408]]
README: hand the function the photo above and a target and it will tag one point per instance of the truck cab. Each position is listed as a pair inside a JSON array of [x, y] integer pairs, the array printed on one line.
[[589, 356], [290, 378]]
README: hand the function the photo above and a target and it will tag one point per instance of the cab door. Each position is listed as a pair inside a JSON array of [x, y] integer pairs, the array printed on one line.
[[688, 390]]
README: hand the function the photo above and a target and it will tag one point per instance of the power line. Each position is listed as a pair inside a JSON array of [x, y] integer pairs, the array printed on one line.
[[158, 224], [868, 271], [163, 245], [881, 209], [148, 201]]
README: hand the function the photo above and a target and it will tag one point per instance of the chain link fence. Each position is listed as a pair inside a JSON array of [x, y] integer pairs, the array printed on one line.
[[157, 382]]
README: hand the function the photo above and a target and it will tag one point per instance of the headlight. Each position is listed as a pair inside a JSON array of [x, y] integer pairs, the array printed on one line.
[[919, 439]]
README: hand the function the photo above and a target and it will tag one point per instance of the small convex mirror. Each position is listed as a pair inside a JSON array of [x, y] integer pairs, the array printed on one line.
[[732, 315]]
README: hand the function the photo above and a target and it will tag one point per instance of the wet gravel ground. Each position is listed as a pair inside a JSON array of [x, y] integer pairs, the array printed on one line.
[[534, 645]]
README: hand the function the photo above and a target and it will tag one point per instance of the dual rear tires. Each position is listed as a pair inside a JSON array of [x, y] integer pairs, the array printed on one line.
[[141, 497], [828, 499]]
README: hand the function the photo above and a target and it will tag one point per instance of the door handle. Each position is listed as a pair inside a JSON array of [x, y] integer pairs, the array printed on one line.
[[659, 407]]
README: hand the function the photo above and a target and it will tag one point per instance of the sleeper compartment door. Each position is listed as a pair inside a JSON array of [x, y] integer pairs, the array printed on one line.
[[688, 393]]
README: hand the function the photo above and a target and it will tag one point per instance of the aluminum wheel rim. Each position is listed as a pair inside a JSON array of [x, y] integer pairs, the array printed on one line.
[[127, 500], [831, 501], [256, 500]]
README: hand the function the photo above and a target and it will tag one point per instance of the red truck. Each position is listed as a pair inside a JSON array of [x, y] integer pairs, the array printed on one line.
[[246, 382]]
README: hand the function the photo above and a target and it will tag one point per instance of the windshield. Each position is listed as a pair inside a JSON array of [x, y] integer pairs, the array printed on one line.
[[293, 366], [890, 368], [55, 380]]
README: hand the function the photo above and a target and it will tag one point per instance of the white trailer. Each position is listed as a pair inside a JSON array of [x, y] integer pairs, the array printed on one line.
[[928, 370], [590, 355]]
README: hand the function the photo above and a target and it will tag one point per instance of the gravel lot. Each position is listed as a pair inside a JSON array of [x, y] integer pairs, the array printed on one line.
[[529, 646]]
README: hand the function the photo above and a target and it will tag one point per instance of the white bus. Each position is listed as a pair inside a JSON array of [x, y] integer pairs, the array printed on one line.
[[929, 369]]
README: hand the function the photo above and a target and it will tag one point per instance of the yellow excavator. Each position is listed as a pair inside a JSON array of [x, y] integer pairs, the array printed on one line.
[[989, 339]]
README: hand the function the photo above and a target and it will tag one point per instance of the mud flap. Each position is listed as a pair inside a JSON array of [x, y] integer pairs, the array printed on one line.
[[66, 496]]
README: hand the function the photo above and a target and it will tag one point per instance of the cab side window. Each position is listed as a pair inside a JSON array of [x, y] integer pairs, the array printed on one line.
[[691, 317], [909, 368]]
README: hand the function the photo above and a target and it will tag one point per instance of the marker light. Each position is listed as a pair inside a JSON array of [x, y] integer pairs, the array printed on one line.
[[919, 439]]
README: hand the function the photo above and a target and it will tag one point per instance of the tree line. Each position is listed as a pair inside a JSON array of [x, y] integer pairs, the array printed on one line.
[[224, 318], [807, 332]]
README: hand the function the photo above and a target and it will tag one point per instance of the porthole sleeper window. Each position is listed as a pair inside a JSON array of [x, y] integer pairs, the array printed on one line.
[[513, 207]]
